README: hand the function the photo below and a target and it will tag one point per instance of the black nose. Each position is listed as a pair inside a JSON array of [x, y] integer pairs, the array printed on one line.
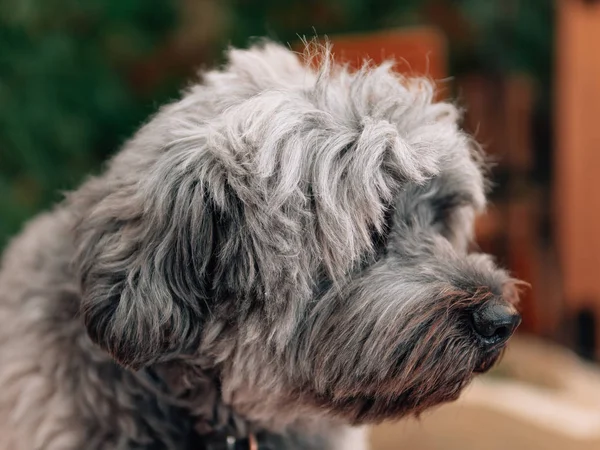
[[495, 322]]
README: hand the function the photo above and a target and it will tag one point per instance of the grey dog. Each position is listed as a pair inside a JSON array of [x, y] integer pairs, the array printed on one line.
[[273, 261]]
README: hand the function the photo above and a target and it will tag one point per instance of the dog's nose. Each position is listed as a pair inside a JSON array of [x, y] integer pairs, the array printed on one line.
[[495, 322]]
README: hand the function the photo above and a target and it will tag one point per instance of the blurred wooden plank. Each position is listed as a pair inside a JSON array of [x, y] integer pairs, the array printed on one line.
[[490, 225], [417, 51], [524, 256], [577, 159], [482, 96], [518, 96], [499, 114]]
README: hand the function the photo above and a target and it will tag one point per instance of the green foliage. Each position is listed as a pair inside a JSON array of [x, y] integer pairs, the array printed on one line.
[[288, 20], [65, 98], [513, 35]]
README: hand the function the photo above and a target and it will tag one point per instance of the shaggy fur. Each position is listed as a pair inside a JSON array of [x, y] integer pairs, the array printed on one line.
[[283, 248]]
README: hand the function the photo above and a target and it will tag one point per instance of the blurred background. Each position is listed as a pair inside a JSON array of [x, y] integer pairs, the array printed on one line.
[[78, 77]]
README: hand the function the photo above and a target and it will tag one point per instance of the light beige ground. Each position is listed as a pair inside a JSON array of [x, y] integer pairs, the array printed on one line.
[[539, 398]]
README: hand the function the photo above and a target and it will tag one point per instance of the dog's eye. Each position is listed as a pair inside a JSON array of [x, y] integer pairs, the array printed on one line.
[[444, 206]]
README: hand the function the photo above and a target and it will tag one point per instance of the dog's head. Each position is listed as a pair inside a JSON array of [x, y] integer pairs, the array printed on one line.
[[303, 234]]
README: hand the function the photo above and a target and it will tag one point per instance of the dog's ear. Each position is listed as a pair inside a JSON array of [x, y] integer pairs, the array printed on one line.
[[143, 248]]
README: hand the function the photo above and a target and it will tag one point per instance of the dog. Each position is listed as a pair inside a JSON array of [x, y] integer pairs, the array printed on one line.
[[276, 260]]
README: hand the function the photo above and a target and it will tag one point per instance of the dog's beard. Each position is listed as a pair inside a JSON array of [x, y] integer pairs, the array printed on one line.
[[408, 392], [438, 377]]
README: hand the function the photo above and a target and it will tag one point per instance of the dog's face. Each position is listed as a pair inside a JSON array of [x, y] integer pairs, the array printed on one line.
[[303, 237], [411, 329]]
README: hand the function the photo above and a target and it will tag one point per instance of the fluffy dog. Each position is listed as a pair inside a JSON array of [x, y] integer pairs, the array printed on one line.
[[274, 258]]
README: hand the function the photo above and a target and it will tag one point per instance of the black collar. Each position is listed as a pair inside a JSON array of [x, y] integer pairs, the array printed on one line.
[[215, 440]]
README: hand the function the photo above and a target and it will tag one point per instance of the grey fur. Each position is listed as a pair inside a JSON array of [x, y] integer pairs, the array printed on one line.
[[285, 247]]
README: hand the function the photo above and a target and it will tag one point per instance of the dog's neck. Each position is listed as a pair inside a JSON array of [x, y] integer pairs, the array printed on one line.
[[213, 426]]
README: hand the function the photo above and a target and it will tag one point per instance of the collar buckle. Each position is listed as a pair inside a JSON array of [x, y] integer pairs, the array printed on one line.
[[232, 443]]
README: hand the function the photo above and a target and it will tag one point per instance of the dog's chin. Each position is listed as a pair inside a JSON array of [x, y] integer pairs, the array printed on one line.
[[488, 361], [361, 410], [365, 409]]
